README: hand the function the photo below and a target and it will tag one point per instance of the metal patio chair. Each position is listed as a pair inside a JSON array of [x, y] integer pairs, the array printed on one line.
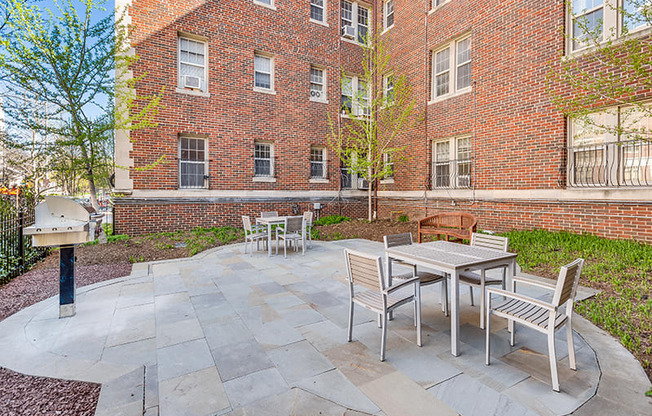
[[474, 279], [425, 278], [307, 215], [267, 214], [539, 315], [292, 230], [253, 233], [367, 271]]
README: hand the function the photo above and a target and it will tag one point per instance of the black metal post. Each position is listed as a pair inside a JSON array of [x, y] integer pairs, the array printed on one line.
[[21, 240], [67, 281]]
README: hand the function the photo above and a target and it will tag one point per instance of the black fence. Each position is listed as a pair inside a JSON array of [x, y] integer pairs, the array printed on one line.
[[16, 251]]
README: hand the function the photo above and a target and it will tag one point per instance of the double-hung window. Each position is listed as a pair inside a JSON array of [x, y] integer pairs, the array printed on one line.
[[388, 166], [317, 8], [317, 84], [192, 162], [263, 72], [388, 89], [389, 14], [635, 14], [192, 64], [452, 163], [263, 159], [347, 95], [437, 3], [354, 21], [362, 100], [451, 69], [355, 97], [588, 22], [317, 163]]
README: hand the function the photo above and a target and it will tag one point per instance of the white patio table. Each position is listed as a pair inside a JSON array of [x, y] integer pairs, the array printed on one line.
[[452, 258], [269, 221]]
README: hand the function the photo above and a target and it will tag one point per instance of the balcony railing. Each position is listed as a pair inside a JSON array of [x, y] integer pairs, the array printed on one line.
[[611, 164], [452, 174]]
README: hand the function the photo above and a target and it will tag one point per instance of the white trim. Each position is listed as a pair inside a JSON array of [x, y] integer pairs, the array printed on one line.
[[453, 91], [272, 72], [324, 83], [385, 14], [264, 90], [192, 92], [270, 6], [319, 23], [355, 6], [387, 181], [319, 180], [204, 140], [324, 13], [433, 7], [263, 179], [198, 39]]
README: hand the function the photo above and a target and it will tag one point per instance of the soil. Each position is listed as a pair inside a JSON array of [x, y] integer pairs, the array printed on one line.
[[27, 395]]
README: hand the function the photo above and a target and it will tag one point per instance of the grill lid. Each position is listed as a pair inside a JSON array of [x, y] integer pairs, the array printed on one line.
[[57, 215]]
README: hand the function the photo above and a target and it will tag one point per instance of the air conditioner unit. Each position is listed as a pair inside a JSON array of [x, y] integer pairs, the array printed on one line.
[[192, 82], [348, 32], [315, 94], [363, 183]]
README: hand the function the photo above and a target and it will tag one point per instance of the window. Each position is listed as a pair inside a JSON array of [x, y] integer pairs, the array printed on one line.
[[452, 163], [363, 99], [317, 163], [388, 166], [388, 89], [358, 104], [389, 14], [611, 148], [587, 22], [263, 161], [634, 14], [451, 69], [317, 84], [192, 163], [437, 3], [266, 3], [317, 10], [192, 64], [347, 95], [354, 21], [263, 72]]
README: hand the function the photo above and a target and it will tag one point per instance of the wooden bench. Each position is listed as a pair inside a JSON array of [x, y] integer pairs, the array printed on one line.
[[457, 225]]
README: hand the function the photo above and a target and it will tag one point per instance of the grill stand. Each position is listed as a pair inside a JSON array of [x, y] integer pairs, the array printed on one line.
[[66, 281]]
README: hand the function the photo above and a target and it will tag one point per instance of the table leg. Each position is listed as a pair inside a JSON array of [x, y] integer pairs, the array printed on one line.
[[455, 313], [269, 239]]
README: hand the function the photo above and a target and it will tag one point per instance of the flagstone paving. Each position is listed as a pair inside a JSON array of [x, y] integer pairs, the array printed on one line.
[[226, 333]]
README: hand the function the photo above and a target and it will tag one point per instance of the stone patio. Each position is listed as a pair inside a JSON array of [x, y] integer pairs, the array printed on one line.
[[224, 333]]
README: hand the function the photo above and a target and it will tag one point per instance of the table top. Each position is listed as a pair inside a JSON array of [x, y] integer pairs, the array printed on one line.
[[449, 255], [271, 220]]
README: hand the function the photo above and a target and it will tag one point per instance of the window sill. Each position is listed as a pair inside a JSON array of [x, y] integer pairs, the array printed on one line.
[[448, 96], [314, 100], [386, 30], [386, 181], [264, 179], [434, 9], [353, 42], [181, 188], [318, 22], [319, 180], [586, 50], [265, 91], [267, 6], [192, 92]]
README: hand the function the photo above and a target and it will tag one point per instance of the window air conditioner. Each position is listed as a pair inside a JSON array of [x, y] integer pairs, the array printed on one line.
[[363, 183], [315, 94], [348, 32], [192, 82]]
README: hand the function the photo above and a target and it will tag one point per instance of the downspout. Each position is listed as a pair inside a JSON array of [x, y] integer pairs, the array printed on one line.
[[339, 111], [375, 124], [427, 154]]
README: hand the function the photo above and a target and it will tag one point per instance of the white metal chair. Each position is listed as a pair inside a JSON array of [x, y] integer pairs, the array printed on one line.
[[267, 214], [253, 233], [542, 316], [307, 215], [475, 279], [367, 271], [425, 278], [292, 230]]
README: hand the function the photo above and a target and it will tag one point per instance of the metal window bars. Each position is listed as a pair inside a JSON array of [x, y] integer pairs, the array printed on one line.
[[452, 174]]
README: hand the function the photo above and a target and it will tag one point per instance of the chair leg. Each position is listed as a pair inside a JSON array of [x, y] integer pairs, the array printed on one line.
[[482, 300], [553, 359], [276, 243], [303, 245], [384, 337], [571, 344], [285, 248], [512, 330], [471, 295], [417, 313], [350, 334], [487, 345], [444, 296]]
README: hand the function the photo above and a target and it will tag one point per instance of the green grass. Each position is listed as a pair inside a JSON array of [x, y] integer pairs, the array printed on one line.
[[403, 218], [331, 219], [621, 268]]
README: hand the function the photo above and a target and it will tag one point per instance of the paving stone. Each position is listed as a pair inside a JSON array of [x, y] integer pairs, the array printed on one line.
[[239, 359], [298, 361], [225, 333], [174, 307], [276, 334], [180, 359], [168, 283], [196, 393], [178, 332], [132, 324], [136, 294], [133, 353], [324, 335], [151, 387], [253, 387], [123, 395], [358, 363], [301, 315]]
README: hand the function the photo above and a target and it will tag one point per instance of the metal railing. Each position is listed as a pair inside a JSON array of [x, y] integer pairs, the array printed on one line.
[[452, 174], [352, 181], [611, 164]]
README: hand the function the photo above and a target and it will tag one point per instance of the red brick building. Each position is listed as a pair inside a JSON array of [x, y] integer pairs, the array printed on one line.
[[250, 86]]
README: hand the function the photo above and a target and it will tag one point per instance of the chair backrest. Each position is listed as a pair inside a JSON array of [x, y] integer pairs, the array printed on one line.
[[567, 282], [365, 270], [307, 215], [267, 214], [394, 240], [495, 242], [294, 224], [246, 221]]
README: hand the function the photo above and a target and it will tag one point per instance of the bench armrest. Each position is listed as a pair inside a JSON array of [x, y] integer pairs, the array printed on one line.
[[401, 284], [532, 282], [520, 297]]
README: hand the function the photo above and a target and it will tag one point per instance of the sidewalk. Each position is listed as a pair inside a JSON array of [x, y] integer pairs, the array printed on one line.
[[224, 333]]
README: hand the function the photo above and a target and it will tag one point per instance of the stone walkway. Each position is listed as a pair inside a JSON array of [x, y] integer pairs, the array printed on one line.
[[224, 333]]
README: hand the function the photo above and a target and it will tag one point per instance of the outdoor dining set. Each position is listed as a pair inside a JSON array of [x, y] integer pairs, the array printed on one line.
[[376, 284]]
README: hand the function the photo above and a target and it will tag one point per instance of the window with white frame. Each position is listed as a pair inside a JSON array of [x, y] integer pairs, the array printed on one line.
[[354, 21], [263, 159], [588, 22], [347, 95], [269, 3], [611, 148], [193, 163], [317, 162], [355, 96], [317, 83], [451, 69], [362, 100], [635, 15], [317, 9], [452, 163], [388, 166], [263, 72], [389, 14], [388, 89], [192, 64], [437, 3]]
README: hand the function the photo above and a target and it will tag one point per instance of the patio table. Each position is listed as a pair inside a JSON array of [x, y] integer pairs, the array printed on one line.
[[269, 221], [452, 258]]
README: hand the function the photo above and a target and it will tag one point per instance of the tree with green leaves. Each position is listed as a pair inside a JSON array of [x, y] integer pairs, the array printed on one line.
[[372, 117], [63, 70]]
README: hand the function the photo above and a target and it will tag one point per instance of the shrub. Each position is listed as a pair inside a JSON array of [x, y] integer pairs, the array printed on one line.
[[403, 218], [331, 219]]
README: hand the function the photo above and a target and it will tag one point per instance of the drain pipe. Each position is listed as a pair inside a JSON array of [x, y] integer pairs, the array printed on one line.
[[427, 153]]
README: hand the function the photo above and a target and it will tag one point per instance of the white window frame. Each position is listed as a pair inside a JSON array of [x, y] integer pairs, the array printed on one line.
[[203, 163], [264, 3], [356, 107], [180, 79], [355, 14], [271, 89], [452, 70], [387, 5], [455, 179], [387, 160], [621, 23], [324, 9], [323, 162], [388, 80], [323, 98], [261, 177], [436, 4]]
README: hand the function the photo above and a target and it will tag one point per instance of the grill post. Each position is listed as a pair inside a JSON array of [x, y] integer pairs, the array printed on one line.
[[67, 281]]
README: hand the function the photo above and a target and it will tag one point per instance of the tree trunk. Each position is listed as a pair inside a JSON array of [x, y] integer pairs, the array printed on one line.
[[369, 195], [93, 192]]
